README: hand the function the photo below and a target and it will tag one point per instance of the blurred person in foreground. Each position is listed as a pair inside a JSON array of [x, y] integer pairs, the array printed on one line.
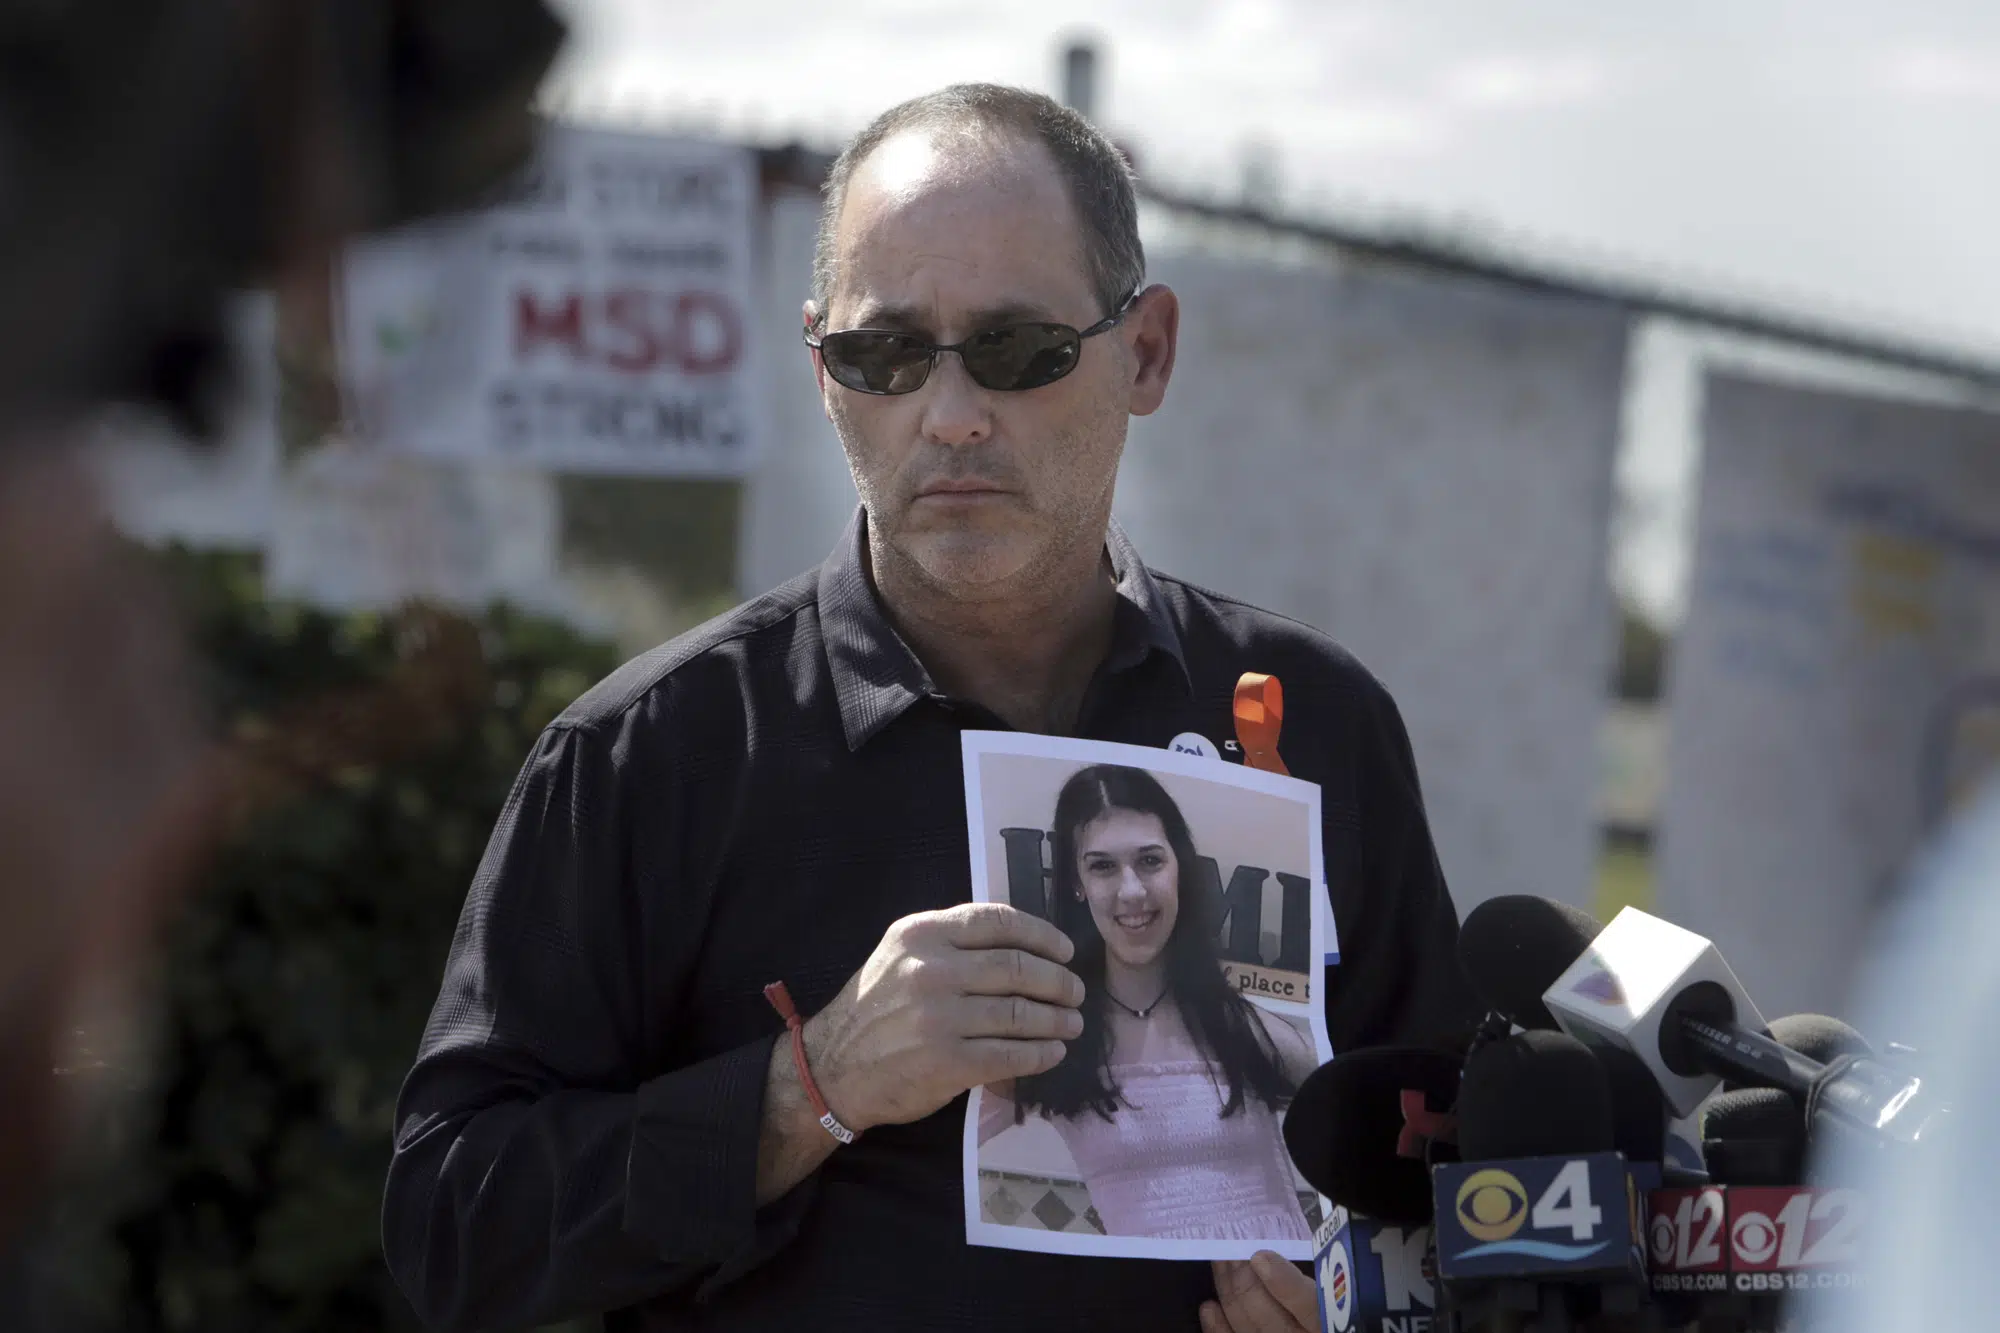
[[605, 1114], [155, 155], [1932, 983]]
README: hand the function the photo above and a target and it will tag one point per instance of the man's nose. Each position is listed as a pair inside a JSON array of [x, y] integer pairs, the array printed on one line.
[[956, 411]]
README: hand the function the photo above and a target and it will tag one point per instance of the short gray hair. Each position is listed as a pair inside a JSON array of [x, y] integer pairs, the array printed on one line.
[[1093, 170]]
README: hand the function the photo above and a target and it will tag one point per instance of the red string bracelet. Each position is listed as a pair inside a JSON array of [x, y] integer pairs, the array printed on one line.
[[781, 1000]]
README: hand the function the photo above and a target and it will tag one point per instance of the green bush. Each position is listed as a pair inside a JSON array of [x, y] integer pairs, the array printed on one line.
[[240, 1187]]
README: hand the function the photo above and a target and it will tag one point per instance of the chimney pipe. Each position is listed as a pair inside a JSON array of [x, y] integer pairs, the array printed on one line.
[[1079, 77]]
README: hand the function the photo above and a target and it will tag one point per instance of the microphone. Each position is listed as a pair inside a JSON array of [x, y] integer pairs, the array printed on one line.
[[1536, 1223], [1816, 1037], [1364, 1126], [1511, 940], [1791, 1239], [1514, 937], [1532, 957], [1666, 995], [1754, 1136], [1731, 1253], [1533, 1094], [1362, 1130], [1638, 1115]]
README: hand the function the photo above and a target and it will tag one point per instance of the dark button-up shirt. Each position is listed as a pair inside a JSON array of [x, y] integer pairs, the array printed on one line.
[[758, 800]]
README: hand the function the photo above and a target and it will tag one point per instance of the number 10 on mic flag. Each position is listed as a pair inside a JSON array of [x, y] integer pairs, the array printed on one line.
[[1374, 1277]]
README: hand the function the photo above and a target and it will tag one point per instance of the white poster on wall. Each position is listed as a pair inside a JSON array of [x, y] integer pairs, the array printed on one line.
[[598, 318], [1420, 465], [1836, 686]]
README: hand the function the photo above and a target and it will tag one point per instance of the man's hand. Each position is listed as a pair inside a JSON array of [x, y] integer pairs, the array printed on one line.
[[1265, 1295], [949, 1001]]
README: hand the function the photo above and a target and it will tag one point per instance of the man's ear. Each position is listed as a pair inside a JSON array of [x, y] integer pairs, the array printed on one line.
[[810, 313], [1152, 332]]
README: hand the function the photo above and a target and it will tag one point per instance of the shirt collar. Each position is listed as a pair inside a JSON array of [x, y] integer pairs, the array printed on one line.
[[875, 675]]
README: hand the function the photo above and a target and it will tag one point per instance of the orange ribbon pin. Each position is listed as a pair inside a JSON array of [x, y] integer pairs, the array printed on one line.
[[1260, 713]]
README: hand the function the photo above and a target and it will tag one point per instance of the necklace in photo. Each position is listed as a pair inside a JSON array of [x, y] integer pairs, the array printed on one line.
[[1137, 1013]]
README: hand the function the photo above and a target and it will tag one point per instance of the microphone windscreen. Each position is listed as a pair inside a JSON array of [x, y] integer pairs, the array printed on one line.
[[1824, 1039], [1754, 1136], [1346, 1124], [1638, 1110], [1816, 1037], [1514, 948], [1534, 1094]]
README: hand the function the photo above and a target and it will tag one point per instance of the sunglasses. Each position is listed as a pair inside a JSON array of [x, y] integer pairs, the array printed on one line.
[[1008, 358]]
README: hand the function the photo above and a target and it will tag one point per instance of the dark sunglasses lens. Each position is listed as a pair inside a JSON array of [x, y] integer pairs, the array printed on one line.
[[876, 362], [1021, 356]]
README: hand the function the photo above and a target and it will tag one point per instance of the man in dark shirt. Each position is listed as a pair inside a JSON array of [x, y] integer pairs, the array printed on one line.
[[603, 1116]]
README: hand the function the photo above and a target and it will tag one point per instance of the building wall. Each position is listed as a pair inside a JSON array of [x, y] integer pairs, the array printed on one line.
[[802, 494], [1420, 466]]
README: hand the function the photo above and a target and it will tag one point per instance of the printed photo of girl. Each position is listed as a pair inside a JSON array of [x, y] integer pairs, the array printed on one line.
[[1168, 1107]]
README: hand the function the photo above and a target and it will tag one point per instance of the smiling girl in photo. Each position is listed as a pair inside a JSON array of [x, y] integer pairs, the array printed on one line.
[[1169, 1100]]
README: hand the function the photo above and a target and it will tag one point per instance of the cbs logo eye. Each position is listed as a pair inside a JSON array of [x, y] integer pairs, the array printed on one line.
[[1492, 1204], [1662, 1239], [1755, 1238]]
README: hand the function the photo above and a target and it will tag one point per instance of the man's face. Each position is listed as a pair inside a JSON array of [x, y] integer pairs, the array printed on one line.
[[943, 234]]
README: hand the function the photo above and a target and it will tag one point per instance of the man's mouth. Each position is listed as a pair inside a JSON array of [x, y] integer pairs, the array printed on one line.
[[958, 490]]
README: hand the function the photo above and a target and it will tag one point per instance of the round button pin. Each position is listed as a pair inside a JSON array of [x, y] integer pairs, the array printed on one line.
[[1189, 742]]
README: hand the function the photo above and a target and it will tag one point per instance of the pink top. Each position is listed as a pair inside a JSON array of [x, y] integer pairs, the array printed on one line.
[[1167, 1165]]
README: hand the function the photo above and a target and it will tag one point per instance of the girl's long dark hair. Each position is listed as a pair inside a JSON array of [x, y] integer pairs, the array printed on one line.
[[1221, 1022]]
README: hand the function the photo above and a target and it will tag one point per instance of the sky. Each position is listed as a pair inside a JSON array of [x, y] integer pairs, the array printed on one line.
[[1837, 157]]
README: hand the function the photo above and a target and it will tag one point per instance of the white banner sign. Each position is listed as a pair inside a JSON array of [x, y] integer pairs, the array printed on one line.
[[596, 320], [1836, 687]]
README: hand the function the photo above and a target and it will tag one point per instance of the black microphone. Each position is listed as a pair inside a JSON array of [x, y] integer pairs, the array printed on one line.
[[1364, 1127], [1753, 1141], [1754, 1136], [1638, 1114], [1732, 1253], [1512, 948], [1665, 994], [1816, 1037], [1518, 936], [1520, 949], [1535, 1223], [1819, 1038], [1362, 1130], [1759, 1136], [1534, 1094]]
